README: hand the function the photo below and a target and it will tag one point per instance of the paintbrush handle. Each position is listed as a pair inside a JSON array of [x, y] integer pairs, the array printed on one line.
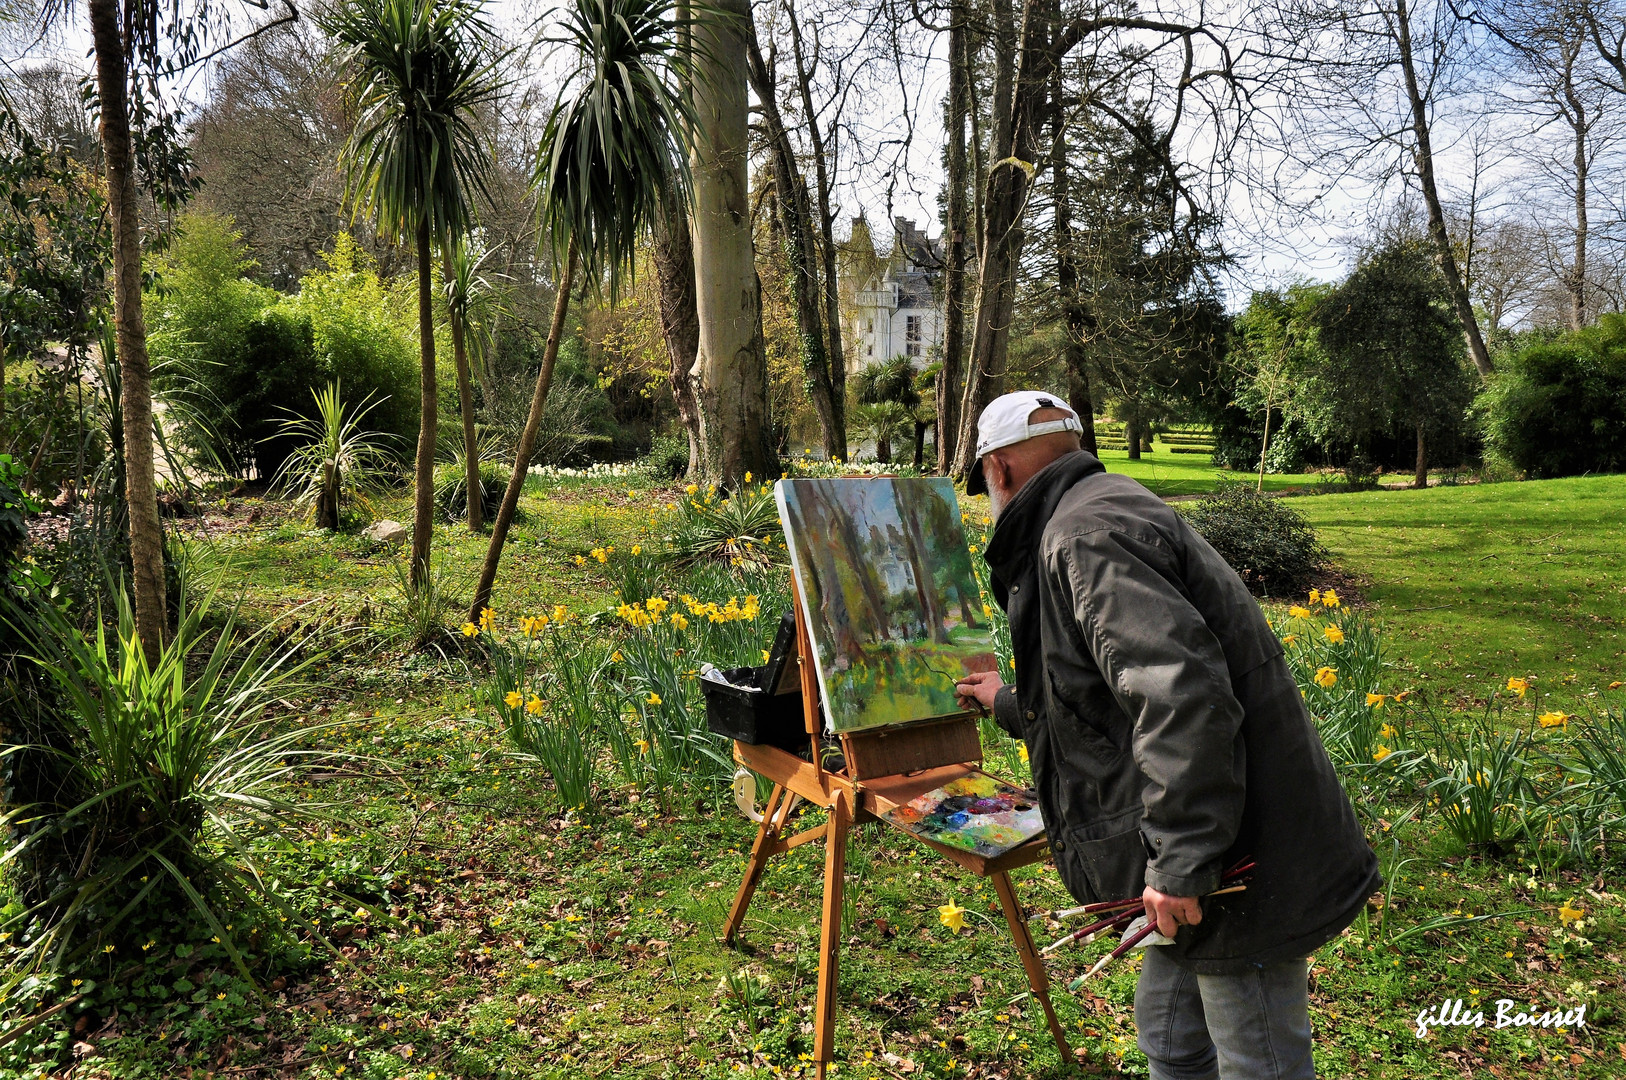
[[1094, 928]]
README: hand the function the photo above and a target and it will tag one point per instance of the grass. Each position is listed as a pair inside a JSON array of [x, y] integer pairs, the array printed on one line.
[[520, 942], [1479, 583], [1170, 474]]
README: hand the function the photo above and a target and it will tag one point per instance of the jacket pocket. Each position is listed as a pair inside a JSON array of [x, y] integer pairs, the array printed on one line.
[[1103, 860]]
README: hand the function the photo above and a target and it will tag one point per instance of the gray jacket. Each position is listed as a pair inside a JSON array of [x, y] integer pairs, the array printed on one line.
[[1167, 737]]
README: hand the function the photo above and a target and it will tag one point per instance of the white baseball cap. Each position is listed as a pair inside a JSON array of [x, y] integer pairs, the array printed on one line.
[[1005, 422]]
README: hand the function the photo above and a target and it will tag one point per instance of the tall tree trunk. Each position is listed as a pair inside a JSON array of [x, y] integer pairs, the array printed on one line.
[[951, 379], [423, 475], [1077, 318], [527, 440], [674, 271], [135, 373], [824, 176], [796, 230], [730, 371], [1431, 195], [465, 402], [1132, 435], [1000, 245], [1577, 283], [1420, 479]]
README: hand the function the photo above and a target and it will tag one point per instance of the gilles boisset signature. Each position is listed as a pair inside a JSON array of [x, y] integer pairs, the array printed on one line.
[[1454, 1012]]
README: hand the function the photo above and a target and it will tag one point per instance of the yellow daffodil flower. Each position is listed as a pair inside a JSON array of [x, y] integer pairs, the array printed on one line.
[[513, 699], [615, 657], [1325, 678], [1518, 686], [679, 621], [534, 706], [1288, 639], [1298, 612], [1315, 596], [1334, 635], [653, 698], [637, 549], [1569, 914], [691, 489], [1388, 732], [1380, 753], [1375, 700], [642, 745], [952, 916], [488, 618], [1553, 719], [470, 630], [581, 560], [1330, 598]]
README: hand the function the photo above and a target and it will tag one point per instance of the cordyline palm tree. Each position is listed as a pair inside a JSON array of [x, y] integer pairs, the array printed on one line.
[[420, 71], [608, 154], [466, 292]]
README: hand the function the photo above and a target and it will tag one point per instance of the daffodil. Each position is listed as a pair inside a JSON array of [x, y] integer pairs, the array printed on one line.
[[534, 706], [470, 630], [653, 698], [1298, 612], [1288, 639], [1388, 732], [1380, 753], [952, 916], [1333, 634], [615, 657], [1553, 719], [637, 549], [488, 618], [581, 560], [1518, 686], [680, 622], [1325, 677], [1329, 598], [513, 699], [1375, 700], [1569, 914], [1315, 596]]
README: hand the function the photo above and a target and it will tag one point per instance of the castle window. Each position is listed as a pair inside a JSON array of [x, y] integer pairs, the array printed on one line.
[[911, 335]]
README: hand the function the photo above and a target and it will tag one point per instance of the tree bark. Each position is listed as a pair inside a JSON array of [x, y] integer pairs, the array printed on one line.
[[527, 440], [796, 229], [730, 371], [135, 372], [823, 175], [951, 380], [674, 271], [1077, 318], [1132, 435], [465, 401], [1000, 245], [1580, 126], [1431, 196], [1420, 479], [423, 481]]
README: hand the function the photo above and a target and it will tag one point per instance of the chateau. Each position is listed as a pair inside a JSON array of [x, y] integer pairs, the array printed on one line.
[[892, 301]]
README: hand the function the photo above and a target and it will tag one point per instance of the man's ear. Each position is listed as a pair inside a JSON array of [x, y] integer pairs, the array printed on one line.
[[995, 470]]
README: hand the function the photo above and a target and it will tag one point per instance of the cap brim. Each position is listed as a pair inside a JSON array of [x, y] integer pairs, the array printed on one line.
[[975, 482]]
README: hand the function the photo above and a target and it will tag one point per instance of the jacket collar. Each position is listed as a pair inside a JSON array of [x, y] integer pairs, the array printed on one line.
[[1015, 542]]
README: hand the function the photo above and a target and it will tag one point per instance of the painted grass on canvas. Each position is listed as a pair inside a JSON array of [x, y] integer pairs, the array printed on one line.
[[889, 594]]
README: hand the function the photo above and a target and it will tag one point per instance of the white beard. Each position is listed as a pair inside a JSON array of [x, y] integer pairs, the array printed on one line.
[[998, 499]]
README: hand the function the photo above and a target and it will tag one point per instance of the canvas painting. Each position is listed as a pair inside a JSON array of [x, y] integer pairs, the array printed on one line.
[[976, 813], [894, 610]]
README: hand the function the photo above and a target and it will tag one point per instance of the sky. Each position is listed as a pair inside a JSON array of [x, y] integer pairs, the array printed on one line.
[[891, 146]]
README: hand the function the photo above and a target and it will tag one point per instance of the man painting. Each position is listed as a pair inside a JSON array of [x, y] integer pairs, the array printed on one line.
[[1168, 742]]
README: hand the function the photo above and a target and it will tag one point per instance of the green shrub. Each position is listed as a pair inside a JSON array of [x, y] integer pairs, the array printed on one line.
[[1559, 408], [1267, 542], [741, 529], [452, 482], [166, 775]]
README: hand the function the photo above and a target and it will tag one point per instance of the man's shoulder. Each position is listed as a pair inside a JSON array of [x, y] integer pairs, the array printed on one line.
[[1109, 503]]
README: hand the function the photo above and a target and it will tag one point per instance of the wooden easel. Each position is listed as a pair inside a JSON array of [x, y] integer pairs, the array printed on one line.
[[884, 768]]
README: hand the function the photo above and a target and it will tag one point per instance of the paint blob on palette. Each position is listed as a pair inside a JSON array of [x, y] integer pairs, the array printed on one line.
[[975, 813]]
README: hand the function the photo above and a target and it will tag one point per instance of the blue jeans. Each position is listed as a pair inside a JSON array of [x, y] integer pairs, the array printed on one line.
[[1253, 1026]]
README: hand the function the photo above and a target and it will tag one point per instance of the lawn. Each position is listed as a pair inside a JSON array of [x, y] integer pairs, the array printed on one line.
[[513, 940], [1478, 583]]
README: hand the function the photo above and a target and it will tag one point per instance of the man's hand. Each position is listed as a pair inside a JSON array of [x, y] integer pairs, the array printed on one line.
[[1171, 912], [978, 688]]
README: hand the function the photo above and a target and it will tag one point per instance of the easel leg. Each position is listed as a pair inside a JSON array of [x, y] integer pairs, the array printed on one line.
[[767, 836], [835, 872], [1037, 979]]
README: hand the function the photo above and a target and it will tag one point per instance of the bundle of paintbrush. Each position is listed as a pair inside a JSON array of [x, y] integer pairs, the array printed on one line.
[[1113, 915]]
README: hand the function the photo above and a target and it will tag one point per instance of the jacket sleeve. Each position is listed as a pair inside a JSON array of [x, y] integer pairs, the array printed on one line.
[[1007, 713], [1168, 673]]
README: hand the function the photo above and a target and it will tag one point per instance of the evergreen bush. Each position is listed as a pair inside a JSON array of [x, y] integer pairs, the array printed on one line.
[[1263, 539], [1559, 408]]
